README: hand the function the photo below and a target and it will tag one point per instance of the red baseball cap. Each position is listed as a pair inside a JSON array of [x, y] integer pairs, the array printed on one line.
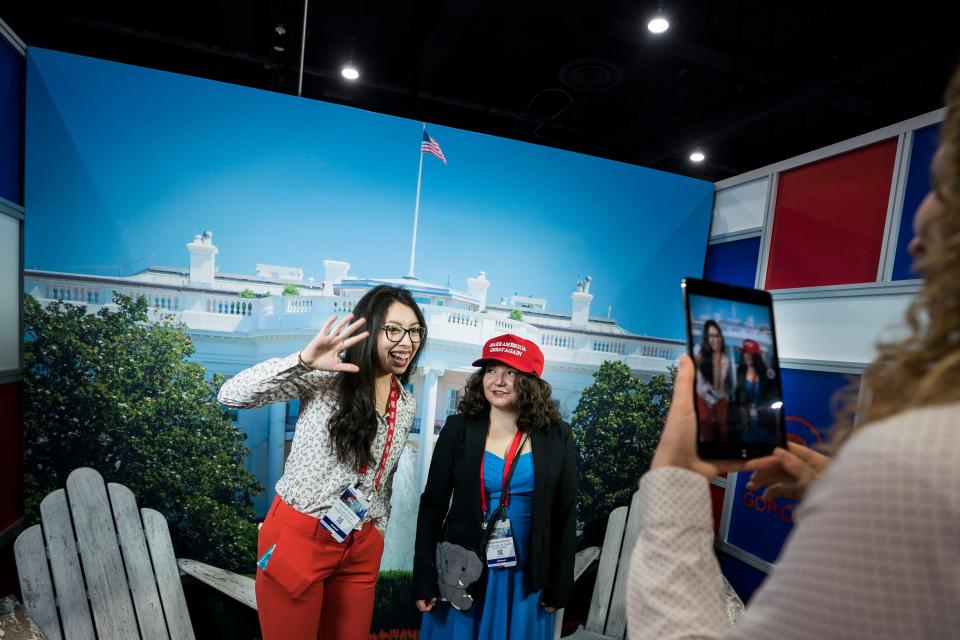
[[513, 351], [751, 346]]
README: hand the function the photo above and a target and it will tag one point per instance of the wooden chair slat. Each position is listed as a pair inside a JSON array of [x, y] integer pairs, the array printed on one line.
[[607, 570], [110, 600], [168, 575], [136, 559], [71, 592], [617, 616], [36, 584]]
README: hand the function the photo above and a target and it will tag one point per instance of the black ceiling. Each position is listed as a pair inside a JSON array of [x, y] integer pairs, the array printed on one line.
[[750, 82]]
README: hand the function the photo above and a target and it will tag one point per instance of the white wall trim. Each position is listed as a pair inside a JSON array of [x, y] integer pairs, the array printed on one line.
[[11, 375], [767, 231], [858, 142], [744, 556], [825, 366], [894, 216], [732, 236], [12, 38], [11, 209], [885, 241], [899, 287]]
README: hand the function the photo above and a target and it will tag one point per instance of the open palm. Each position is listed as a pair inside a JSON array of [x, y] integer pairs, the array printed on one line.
[[323, 352]]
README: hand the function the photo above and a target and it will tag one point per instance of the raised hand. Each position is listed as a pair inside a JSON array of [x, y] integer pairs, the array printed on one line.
[[678, 443], [323, 351], [787, 472]]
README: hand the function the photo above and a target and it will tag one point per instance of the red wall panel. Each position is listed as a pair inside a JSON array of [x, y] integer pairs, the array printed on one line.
[[11, 455], [716, 501], [829, 218]]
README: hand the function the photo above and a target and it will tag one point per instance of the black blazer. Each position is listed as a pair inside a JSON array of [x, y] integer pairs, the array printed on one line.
[[455, 470]]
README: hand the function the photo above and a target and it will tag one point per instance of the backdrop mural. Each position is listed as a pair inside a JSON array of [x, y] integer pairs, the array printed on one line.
[[179, 230]]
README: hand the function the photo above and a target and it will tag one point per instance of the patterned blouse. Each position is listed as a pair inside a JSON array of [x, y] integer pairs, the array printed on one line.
[[313, 478], [875, 553]]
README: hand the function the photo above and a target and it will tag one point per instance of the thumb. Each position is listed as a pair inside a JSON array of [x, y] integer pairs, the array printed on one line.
[[683, 386]]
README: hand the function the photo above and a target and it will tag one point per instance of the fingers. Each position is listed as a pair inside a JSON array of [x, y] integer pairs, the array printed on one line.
[[424, 605], [683, 387], [347, 330], [813, 458], [765, 462], [796, 467], [783, 490], [352, 340], [338, 327], [346, 367]]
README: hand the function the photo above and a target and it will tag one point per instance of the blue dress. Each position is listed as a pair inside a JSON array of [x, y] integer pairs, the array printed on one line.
[[508, 610]]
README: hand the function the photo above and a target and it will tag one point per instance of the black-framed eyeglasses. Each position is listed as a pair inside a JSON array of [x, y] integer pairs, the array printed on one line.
[[395, 333]]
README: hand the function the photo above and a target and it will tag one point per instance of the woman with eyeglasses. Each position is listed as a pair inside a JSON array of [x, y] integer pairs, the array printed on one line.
[[320, 545]]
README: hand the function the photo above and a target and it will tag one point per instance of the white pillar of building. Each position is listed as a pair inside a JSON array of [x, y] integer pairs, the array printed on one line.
[[275, 443], [431, 380]]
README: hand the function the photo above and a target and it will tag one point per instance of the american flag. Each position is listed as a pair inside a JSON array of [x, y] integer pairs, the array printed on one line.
[[429, 145]]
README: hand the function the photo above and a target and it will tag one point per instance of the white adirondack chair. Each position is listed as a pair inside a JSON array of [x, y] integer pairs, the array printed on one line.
[[607, 616], [99, 567]]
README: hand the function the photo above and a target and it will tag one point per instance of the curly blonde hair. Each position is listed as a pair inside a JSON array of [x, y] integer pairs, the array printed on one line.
[[924, 368]]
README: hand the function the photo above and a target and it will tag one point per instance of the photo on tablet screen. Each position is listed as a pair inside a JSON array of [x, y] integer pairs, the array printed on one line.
[[737, 391]]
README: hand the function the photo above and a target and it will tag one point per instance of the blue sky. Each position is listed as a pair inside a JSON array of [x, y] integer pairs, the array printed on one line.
[[125, 165]]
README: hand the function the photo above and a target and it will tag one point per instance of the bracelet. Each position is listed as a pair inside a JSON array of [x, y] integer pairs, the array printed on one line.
[[302, 363]]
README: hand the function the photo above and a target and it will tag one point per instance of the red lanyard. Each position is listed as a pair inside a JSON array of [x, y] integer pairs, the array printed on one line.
[[391, 425], [505, 494]]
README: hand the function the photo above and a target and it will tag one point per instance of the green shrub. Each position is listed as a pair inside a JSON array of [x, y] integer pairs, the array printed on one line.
[[393, 606]]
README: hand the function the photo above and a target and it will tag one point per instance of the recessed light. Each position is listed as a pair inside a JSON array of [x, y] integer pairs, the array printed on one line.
[[658, 25], [697, 156], [350, 72]]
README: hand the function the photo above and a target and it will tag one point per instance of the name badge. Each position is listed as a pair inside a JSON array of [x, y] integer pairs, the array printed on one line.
[[500, 549], [345, 514]]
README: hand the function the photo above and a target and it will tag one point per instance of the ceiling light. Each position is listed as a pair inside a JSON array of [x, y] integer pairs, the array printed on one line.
[[658, 25], [350, 72], [697, 156]]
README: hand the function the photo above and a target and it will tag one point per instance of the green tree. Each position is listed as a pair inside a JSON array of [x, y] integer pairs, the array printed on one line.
[[115, 392], [290, 290], [515, 314], [616, 427], [247, 294]]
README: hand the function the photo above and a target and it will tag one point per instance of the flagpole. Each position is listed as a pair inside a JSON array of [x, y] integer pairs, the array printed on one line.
[[416, 207]]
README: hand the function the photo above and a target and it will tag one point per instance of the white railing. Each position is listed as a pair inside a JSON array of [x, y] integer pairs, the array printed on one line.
[[608, 346], [297, 304], [229, 306], [464, 318], [558, 340], [224, 312]]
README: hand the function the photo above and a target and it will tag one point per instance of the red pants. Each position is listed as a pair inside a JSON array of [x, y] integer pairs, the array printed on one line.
[[713, 420], [313, 586]]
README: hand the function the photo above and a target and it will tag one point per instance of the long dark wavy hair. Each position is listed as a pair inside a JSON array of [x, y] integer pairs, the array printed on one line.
[[706, 351], [353, 426], [535, 408], [760, 367]]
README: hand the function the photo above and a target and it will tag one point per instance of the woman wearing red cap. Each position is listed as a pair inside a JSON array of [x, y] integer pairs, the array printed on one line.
[[755, 387], [506, 414]]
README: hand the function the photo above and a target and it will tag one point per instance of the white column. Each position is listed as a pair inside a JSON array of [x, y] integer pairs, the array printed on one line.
[[431, 380], [275, 442]]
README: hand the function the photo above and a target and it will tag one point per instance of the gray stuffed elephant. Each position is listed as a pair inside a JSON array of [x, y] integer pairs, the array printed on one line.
[[457, 569]]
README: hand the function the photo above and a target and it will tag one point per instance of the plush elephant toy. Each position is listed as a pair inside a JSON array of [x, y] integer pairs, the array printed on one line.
[[457, 569]]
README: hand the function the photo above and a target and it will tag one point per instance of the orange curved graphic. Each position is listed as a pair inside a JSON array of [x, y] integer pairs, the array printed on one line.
[[793, 437]]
